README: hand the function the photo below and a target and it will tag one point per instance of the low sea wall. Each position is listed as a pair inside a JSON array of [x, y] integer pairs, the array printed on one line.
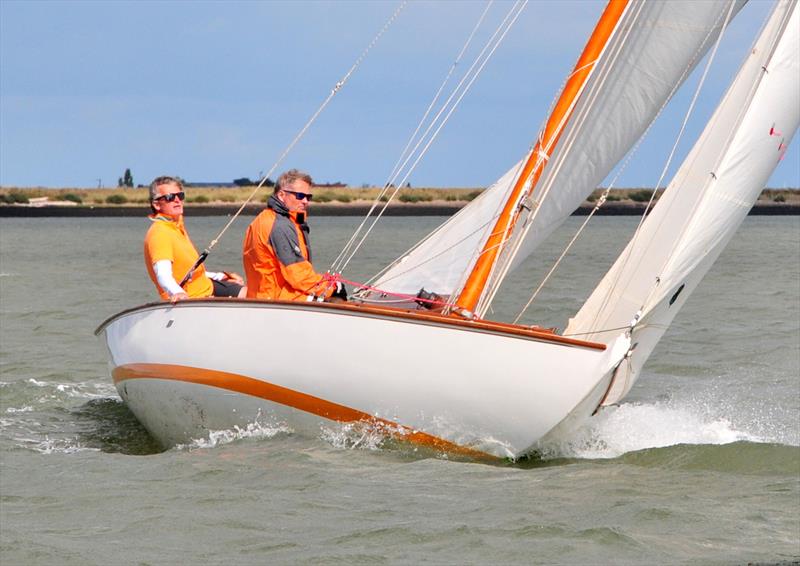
[[336, 209]]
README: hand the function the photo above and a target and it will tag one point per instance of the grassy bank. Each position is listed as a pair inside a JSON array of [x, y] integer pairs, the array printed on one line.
[[227, 195], [342, 195]]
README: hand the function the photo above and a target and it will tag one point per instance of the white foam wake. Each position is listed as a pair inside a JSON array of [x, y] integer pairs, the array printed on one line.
[[350, 436], [630, 427], [254, 430]]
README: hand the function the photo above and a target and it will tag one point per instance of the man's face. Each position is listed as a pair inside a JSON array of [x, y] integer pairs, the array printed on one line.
[[296, 196], [162, 202]]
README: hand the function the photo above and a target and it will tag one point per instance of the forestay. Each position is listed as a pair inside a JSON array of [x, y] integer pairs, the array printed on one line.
[[705, 203], [654, 47]]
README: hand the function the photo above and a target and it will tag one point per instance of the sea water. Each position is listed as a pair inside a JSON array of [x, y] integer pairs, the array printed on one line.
[[699, 465]]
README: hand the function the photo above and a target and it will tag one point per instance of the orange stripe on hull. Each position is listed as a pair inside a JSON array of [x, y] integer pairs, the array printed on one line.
[[288, 397]]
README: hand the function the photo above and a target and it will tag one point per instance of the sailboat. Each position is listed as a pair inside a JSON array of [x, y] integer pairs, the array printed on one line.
[[485, 388]]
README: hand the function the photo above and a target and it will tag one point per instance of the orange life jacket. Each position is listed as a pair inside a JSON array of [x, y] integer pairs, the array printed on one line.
[[277, 257]]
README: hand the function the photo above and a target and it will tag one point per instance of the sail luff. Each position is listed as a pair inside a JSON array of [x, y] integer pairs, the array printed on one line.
[[532, 170]]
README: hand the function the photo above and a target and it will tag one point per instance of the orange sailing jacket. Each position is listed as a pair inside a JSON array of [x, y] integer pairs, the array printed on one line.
[[277, 257]]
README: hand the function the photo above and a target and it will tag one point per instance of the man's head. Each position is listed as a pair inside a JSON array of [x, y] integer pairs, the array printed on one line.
[[293, 189], [166, 196]]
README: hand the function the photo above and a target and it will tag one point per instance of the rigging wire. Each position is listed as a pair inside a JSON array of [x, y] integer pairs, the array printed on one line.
[[428, 259], [480, 228], [570, 125], [335, 266], [539, 141], [701, 83], [573, 131], [472, 74], [397, 166], [334, 91], [612, 184], [508, 22], [742, 110]]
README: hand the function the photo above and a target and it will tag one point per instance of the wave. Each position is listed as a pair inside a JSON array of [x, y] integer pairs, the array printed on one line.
[[255, 430], [363, 436], [104, 425], [665, 435], [738, 457], [630, 427], [33, 390]]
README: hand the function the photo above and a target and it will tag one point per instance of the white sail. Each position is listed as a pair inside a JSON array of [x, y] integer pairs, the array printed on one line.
[[439, 261], [704, 204], [654, 47]]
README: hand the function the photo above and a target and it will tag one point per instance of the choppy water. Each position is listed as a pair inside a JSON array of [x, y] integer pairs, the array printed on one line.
[[700, 465]]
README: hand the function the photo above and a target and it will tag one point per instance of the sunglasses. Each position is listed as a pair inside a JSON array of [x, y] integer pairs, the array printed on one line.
[[299, 196], [170, 197]]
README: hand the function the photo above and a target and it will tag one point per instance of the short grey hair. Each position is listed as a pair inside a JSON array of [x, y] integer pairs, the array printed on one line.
[[163, 180], [286, 179]]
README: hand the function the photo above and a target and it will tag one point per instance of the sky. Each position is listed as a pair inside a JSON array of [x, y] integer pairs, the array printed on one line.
[[213, 91]]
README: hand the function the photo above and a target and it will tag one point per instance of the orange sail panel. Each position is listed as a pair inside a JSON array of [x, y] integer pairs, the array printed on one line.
[[532, 170]]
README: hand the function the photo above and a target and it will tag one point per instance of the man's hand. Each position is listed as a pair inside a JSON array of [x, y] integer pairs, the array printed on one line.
[[340, 293], [233, 277], [178, 297]]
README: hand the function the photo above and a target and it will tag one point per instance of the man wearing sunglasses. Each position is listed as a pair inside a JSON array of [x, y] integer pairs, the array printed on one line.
[[169, 253], [276, 250]]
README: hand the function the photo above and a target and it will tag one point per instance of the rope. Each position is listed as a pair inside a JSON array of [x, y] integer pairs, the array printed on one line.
[[337, 87], [334, 278]]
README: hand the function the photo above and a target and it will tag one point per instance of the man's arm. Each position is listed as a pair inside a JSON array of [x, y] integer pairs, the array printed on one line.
[[225, 276], [295, 268], [165, 278]]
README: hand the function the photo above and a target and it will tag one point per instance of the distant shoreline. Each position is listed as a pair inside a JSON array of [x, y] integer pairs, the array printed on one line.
[[338, 209]]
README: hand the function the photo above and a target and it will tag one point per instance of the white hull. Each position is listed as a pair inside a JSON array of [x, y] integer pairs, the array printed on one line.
[[463, 387]]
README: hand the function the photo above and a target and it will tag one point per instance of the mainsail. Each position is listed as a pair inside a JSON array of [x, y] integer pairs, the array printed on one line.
[[652, 49], [704, 204]]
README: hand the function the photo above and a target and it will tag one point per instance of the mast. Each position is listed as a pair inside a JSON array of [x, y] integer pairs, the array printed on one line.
[[532, 170]]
